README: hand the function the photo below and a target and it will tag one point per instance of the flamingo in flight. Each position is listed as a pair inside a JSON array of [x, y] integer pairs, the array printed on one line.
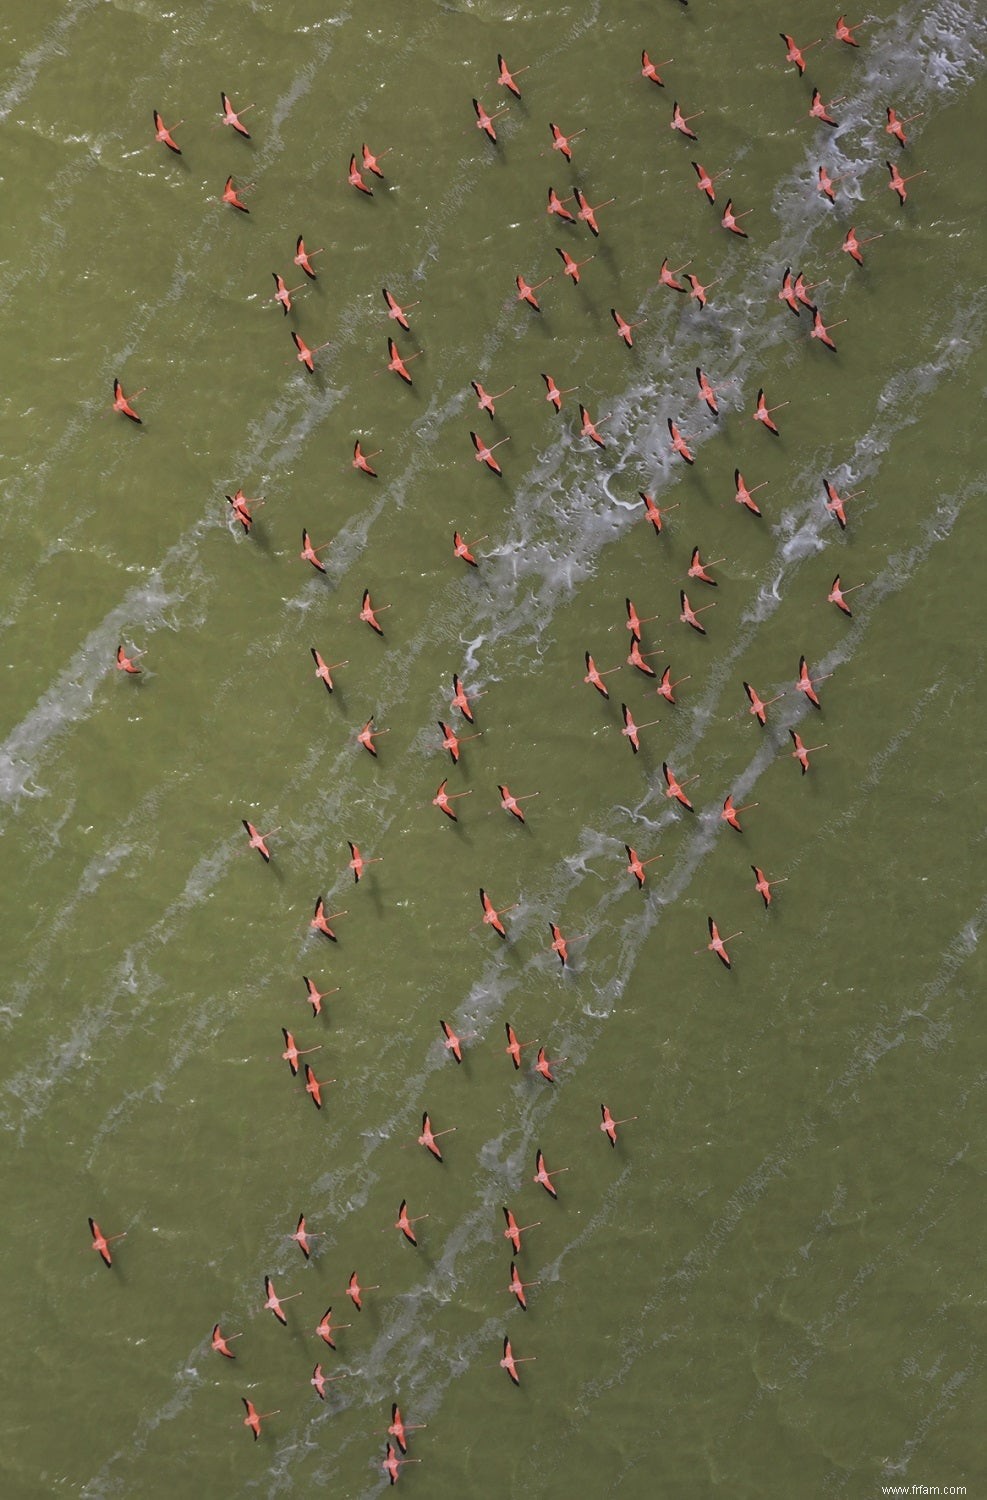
[[101, 1242], [635, 865], [763, 885], [122, 405], [514, 1230], [230, 116], [510, 1361], [303, 258], [162, 133], [221, 1342], [254, 1418], [506, 76], [398, 1427]]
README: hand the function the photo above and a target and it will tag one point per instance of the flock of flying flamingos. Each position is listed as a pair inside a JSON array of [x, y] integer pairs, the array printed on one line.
[[794, 293]]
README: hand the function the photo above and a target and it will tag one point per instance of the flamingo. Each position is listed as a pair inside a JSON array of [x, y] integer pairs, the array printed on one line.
[[303, 258], [705, 182], [731, 814], [544, 1065], [491, 916], [787, 293], [319, 1381], [505, 76], [697, 568], [361, 460], [526, 293], [514, 1230], [162, 133], [284, 292], [302, 1236], [697, 290], [241, 509], [305, 355], [835, 502], [122, 405], [679, 443], [653, 512], [366, 737], [292, 1053], [759, 706], [392, 1464], [314, 1086], [258, 840], [800, 753], [851, 245], [484, 400], [825, 184], [510, 1361], [562, 142], [820, 330], [649, 69], [403, 1223], [666, 687], [429, 1136], [230, 116], [588, 428], [310, 554], [743, 495], [254, 1418], [763, 885], [837, 595], [356, 179], [717, 944], [806, 684], [634, 622], [315, 997], [321, 924], [594, 677], [355, 1291], [544, 1178], [674, 787], [572, 267], [518, 1287], [762, 412], [274, 1301], [230, 196], [631, 730], [128, 664], [324, 670], [608, 1124], [707, 392], [399, 1428], [370, 161], [398, 365], [357, 862], [556, 205], [794, 53], [461, 549], [667, 277], [484, 455], [514, 1048], [326, 1328], [560, 945], [636, 866], [844, 33], [897, 183], [102, 1242], [636, 658], [442, 799], [689, 615], [587, 213], [625, 329], [221, 1343], [460, 698], [484, 121], [553, 394], [451, 741], [818, 111], [452, 1042], [510, 803], [680, 122], [893, 127], [369, 615], [730, 220], [396, 311]]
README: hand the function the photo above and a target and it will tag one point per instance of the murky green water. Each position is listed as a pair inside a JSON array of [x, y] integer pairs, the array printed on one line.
[[771, 1288]]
